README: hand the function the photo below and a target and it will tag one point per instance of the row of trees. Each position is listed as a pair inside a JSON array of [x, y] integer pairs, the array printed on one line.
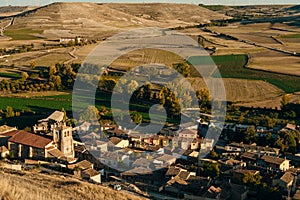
[[9, 112], [21, 49], [58, 77]]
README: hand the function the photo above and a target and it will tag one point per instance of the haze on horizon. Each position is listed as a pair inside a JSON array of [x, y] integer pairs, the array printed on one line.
[[219, 2]]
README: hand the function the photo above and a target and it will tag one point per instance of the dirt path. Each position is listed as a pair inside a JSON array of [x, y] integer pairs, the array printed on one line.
[[7, 26], [72, 54]]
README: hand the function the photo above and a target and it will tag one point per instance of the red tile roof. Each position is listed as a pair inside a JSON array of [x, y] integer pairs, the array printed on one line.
[[29, 139], [90, 172], [273, 160]]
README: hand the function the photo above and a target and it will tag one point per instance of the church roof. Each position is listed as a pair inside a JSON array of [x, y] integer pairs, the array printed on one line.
[[29, 139]]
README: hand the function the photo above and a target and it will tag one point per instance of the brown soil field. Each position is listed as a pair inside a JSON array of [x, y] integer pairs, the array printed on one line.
[[42, 58], [243, 91], [146, 56], [275, 62], [270, 103], [262, 58]]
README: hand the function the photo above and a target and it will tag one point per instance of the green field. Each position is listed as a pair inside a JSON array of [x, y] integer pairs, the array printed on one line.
[[291, 36], [35, 104], [233, 66], [214, 7], [23, 34], [10, 75]]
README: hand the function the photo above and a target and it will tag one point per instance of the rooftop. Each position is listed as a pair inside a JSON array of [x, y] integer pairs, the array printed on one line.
[[173, 171], [287, 177], [115, 140], [83, 165], [57, 116], [91, 172], [5, 128], [273, 160], [138, 170], [29, 139]]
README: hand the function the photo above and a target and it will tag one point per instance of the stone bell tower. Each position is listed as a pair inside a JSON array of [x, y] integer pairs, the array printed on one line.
[[62, 136]]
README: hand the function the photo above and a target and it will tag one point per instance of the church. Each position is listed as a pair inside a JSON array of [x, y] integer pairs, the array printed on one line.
[[57, 144]]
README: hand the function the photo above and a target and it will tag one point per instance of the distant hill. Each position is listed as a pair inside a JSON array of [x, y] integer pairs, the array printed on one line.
[[8, 9], [92, 19], [294, 8], [13, 10]]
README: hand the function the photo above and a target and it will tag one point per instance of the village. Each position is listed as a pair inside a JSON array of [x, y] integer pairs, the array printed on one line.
[[178, 162]]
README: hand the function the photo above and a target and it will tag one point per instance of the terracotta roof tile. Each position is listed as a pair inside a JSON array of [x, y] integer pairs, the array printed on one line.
[[287, 177], [272, 159], [91, 172], [29, 139], [115, 140]]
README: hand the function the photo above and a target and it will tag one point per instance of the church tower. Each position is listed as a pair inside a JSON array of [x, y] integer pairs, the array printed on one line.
[[62, 136]]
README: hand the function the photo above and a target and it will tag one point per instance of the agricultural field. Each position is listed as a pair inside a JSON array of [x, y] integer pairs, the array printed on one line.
[[265, 35], [36, 104], [275, 62], [10, 75], [233, 66], [243, 91], [50, 57], [290, 36], [23, 34], [145, 56]]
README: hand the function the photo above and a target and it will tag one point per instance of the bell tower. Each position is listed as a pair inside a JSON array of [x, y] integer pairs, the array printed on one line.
[[62, 136]]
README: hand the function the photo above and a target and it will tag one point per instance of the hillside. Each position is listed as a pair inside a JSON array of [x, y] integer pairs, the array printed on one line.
[[93, 19], [36, 186], [14, 10]]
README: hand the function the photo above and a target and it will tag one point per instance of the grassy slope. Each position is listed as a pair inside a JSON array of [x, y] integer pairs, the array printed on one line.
[[22, 34], [36, 186]]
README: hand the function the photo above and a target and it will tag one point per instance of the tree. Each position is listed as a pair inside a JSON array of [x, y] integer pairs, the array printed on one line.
[[52, 70], [204, 97], [24, 76], [131, 87], [250, 134], [290, 142], [56, 80], [183, 68], [65, 113], [279, 144], [213, 155], [90, 114], [187, 100], [107, 83], [241, 118], [251, 180], [32, 64], [270, 122], [285, 100], [9, 112], [136, 117], [211, 169]]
